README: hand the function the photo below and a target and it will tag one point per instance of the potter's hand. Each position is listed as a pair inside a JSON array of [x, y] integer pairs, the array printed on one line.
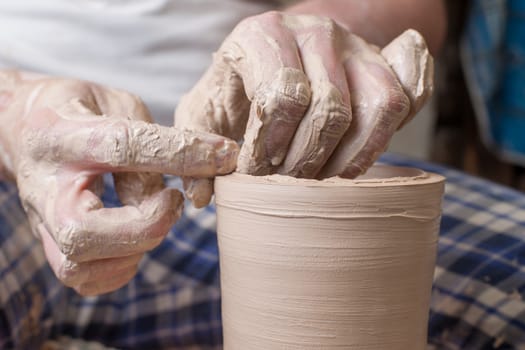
[[66, 134], [310, 98]]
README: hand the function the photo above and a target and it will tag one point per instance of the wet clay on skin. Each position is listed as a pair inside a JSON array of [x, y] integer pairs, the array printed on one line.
[[309, 98], [332, 264], [62, 135]]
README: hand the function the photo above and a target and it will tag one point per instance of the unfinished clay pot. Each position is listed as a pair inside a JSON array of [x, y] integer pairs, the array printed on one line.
[[332, 264]]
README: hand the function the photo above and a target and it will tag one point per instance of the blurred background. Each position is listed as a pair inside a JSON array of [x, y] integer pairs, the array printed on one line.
[[451, 129]]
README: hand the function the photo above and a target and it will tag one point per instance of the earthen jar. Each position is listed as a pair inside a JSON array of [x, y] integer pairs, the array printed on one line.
[[332, 264]]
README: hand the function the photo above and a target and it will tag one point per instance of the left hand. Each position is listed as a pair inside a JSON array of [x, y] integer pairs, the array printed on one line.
[[310, 98], [64, 135]]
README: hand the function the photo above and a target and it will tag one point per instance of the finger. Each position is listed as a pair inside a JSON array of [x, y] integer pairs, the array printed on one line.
[[75, 274], [199, 191], [217, 103], [134, 188], [86, 235], [271, 70], [118, 280], [120, 104], [72, 273], [328, 116], [379, 105], [112, 144], [414, 66], [258, 62]]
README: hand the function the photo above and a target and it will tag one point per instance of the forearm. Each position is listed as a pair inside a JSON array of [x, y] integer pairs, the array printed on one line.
[[380, 21]]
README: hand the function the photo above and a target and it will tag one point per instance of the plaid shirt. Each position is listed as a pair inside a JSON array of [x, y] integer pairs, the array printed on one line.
[[174, 301], [493, 56]]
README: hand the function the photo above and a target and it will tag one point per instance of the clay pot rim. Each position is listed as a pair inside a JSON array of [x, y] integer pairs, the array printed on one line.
[[379, 175]]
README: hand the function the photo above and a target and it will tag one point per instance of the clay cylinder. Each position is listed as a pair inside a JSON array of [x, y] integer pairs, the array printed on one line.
[[332, 264]]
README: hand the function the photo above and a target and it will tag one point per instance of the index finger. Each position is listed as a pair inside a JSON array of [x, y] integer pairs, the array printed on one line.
[[116, 144], [267, 59]]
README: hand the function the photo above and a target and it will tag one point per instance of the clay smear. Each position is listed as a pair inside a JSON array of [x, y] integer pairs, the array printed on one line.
[[332, 264]]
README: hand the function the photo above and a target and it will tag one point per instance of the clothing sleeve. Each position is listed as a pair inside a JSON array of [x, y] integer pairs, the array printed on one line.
[[173, 301], [479, 282], [493, 59]]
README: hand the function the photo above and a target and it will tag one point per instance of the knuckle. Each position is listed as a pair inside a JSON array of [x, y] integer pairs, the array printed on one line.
[[395, 102], [117, 151], [160, 226], [289, 93], [109, 144], [330, 26], [331, 114], [70, 239], [337, 121], [40, 136], [337, 110], [32, 141], [69, 273], [389, 101], [321, 25]]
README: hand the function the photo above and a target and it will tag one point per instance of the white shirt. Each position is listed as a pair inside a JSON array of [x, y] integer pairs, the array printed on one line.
[[156, 49]]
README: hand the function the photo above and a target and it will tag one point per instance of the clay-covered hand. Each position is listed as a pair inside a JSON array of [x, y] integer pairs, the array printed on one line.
[[64, 135], [309, 98]]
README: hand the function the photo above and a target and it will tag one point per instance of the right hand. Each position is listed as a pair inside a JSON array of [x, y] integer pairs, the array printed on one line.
[[308, 97], [63, 135]]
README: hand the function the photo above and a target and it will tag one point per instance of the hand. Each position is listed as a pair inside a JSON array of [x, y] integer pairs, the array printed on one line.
[[66, 134], [310, 98]]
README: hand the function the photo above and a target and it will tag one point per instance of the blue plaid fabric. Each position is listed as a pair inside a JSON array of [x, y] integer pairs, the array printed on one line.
[[479, 281], [493, 55], [174, 301]]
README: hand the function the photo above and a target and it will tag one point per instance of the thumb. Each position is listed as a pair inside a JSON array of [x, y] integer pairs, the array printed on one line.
[[409, 58], [198, 191]]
